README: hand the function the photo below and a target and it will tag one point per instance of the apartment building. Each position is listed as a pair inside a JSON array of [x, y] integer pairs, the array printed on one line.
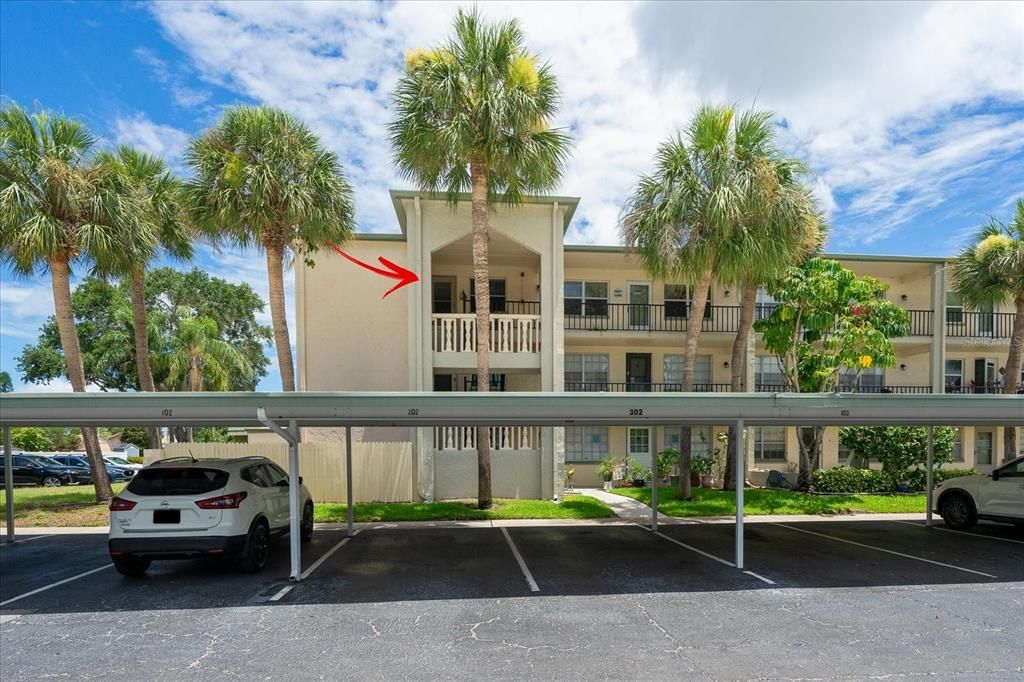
[[588, 318]]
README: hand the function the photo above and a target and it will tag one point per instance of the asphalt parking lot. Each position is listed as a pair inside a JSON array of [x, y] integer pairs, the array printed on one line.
[[820, 600]]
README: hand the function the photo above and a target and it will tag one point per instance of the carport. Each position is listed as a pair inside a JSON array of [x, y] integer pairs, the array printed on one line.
[[286, 413]]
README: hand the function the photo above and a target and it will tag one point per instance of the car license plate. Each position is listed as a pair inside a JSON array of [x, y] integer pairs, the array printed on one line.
[[167, 516]]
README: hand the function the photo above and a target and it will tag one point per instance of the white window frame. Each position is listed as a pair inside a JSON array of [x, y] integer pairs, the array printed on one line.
[[583, 297], [586, 443], [702, 371], [698, 447], [642, 457], [760, 372], [991, 446], [946, 375], [687, 301], [757, 436], [589, 374], [871, 379]]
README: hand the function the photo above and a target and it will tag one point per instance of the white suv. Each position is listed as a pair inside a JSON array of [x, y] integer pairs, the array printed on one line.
[[183, 508], [998, 496]]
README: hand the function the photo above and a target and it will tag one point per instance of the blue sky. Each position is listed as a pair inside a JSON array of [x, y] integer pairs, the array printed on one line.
[[910, 114]]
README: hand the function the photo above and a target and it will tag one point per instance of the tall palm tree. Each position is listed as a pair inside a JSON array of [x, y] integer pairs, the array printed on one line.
[[264, 179], [163, 224], [55, 210], [990, 271], [472, 114], [681, 217], [783, 227], [198, 360]]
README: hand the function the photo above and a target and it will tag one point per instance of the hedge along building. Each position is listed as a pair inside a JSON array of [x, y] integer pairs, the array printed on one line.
[[587, 318]]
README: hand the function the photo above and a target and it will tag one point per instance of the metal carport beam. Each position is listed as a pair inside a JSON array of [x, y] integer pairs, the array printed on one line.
[[291, 436]]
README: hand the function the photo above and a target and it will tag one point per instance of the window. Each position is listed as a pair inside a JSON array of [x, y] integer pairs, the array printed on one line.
[[958, 445], [954, 308], [674, 365], [844, 453], [769, 443], [871, 380], [586, 443], [586, 372], [678, 298], [441, 295], [764, 304], [983, 448], [586, 298], [954, 376], [497, 382], [171, 480], [768, 374], [700, 440], [1015, 470], [497, 290], [276, 473], [258, 476], [639, 442]]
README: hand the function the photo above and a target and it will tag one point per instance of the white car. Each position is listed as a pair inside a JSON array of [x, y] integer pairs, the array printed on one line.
[[182, 508], [998, 496], [122, 462]]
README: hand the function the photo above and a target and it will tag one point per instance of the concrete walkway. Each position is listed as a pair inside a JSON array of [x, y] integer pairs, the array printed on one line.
[[624, 507]]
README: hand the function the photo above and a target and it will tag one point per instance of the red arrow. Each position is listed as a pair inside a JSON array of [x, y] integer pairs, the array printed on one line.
[[394, 271]]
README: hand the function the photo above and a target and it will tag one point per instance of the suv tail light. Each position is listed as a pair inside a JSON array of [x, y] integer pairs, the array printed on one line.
[[121, 504], [223, 502]]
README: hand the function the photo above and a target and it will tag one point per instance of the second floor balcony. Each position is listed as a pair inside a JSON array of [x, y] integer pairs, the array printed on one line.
[[456, 333]]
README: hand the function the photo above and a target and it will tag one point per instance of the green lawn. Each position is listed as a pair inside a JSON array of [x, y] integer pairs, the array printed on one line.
[[70, 505], [758, 502], [76, 506], [572, 507]]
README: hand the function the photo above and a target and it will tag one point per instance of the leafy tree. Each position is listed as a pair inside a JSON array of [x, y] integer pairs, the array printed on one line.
[[64, 438], [990, 271], [31, 439], [6, 385], [472, 114], [137, 436], [105, 327], [686, 217], [162, 224], [262, 178], [899, 448], [827, 319], [56, 208], [211, 434], [199, 360]]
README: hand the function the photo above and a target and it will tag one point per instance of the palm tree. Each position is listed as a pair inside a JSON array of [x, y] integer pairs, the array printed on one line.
[[990, 271], [681, 218], [784, 227], [199, 360], [163, 225], [264, 179], [472, 114], [56, 209]]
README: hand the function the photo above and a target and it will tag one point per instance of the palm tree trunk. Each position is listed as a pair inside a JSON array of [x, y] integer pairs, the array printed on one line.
[[282, 342], [694, 323], [141, 329], [481, 277], [1012, 378], [60, 280], [748, 297]]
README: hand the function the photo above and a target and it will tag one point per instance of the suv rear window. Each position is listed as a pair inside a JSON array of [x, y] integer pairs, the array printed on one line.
[[177, 481]]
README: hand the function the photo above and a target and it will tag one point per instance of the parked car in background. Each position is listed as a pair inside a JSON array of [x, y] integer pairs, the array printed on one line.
[[119, 461], [181, 508], [115, 473], [35, 470], [998, 496]]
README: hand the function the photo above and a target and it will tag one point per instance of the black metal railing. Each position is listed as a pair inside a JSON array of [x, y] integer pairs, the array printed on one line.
[[653, 317], [889, 388], [920, 322], [641, 387], [978, 389], [505, 307], [964, 324]]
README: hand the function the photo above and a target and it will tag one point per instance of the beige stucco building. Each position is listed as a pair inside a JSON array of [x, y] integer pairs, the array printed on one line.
[[570, 318]]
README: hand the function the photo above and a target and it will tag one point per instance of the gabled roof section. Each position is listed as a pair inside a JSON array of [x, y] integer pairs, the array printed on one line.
[[397, 195]]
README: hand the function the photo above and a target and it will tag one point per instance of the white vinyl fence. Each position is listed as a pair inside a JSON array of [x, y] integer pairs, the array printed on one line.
[[381, 472]]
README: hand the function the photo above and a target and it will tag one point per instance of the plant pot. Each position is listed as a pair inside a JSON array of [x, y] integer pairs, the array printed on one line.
[[902, 487], [673, 481], [707, 481], [607, 485], [639, 483]]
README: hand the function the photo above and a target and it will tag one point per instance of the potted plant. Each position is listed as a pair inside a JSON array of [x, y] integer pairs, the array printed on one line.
[[605, 470], [638, 475], [569, 473], [704, 467], [667, 462]]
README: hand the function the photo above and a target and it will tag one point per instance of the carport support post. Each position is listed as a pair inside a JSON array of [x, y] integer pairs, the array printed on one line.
[[348, 476], [654, 489], [291, 436], [9, 484], [741, 454], [930, 476]]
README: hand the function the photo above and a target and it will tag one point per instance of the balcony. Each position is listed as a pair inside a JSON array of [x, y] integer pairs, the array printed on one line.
[[961, 324], [642, 387], [458, 438], [888, 388], [456, 333], [980, 389]]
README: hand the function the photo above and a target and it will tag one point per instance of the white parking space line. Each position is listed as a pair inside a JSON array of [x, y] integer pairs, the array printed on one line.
[[724, 562], [760, 577], [21, 540], [316, 564], [519, 558], [882, 549], [280, 593], [52, 585], [962, 532]]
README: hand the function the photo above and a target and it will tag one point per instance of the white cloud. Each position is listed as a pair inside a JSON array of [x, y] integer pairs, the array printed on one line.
[[184, 95], [162, 140], [892, 104]]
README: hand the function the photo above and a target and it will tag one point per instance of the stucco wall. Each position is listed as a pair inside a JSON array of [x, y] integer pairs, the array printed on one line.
[[514, 474]]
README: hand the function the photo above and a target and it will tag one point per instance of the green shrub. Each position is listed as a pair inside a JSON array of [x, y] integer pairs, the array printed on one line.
[[849, 480], [136, 460]]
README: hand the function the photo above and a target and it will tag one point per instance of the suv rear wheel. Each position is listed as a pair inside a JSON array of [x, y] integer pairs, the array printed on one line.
[[131, 565], [257, 548], [958, 511]]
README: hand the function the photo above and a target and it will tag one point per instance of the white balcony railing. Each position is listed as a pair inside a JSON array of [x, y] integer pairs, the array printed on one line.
[[456, 333], [500, 437]]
